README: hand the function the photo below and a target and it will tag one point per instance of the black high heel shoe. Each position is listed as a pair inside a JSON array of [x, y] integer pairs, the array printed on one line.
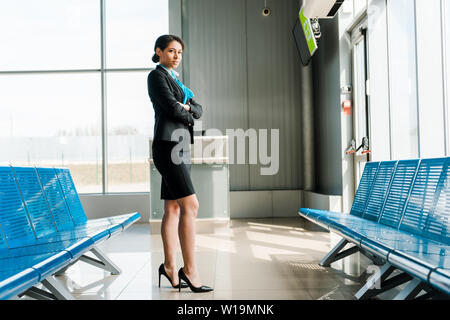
[[183, 276], [162, 271]]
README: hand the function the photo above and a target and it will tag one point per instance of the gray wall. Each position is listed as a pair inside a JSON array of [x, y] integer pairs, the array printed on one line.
[[107, 205], [327, 111], [244, 70]]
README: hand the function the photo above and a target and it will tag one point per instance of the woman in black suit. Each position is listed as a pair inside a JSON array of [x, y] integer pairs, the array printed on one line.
[[175, 111]]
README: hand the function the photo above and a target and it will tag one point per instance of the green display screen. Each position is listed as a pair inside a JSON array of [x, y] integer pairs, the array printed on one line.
[[304, 38], [307, 30]]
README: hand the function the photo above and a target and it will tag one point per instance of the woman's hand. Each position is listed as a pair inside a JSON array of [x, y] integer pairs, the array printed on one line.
[[185, 106], [195, 109]]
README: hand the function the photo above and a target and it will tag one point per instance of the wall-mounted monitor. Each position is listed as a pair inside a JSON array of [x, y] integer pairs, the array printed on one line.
[[304, 38]]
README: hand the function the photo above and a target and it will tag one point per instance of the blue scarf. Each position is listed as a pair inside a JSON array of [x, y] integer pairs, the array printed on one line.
[[188, 94]]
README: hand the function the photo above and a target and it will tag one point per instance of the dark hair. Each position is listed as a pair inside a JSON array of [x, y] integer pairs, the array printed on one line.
[[163, 42]]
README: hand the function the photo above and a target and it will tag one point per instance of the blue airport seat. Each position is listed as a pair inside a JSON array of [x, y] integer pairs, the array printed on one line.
[[18, 233], [373, 171], [41, 213], [70, 195], [427, 215], [419, 210], [14, 278], [399, 241], [13, 282], [400, 214], [16, 226], [68, 219], [72, 246], [44, 264], [43, 230], [364, 188], [420, 262], [379, 190], [399, 192], [76, 208]]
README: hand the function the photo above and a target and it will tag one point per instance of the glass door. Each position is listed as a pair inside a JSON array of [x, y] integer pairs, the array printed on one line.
[[361, 114]]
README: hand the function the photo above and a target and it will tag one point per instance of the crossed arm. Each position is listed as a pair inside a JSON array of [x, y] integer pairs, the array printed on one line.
[[195, 109], [160, 94]]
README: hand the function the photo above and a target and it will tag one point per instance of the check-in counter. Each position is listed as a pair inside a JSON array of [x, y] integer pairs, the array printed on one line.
[[210, 177]]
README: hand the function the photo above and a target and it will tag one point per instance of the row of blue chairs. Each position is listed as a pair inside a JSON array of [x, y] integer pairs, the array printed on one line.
[[44, 230], [400, 218]]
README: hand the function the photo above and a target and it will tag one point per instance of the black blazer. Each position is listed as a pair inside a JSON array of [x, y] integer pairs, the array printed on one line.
[[165, 93]]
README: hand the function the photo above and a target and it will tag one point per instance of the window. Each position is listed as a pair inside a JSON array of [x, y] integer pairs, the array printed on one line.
[[53, 120], [130, 126], [132, 28], [49, 34], [430, 78], [446, 37], [51, 88], [403, 80]]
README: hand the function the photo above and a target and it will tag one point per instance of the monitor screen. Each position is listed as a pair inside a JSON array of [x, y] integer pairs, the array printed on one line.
[[304, 38]]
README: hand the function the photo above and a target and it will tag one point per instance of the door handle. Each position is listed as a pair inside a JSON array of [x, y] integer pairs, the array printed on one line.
[[365, 146], [351, 148]]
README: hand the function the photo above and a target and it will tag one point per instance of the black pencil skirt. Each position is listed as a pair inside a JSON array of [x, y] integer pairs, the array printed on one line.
[[176, 180]]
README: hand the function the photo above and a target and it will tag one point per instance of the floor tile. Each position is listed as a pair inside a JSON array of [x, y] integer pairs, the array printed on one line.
[[261, 295], [262, 259]]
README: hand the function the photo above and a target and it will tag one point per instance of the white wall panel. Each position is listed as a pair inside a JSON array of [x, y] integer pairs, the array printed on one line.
[[446, 69], [430, 78], [244, 70], [403, 79], [215, 67], [274, 89], [379, 80]]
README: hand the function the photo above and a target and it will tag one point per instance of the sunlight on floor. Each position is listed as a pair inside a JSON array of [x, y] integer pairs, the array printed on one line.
[[252, 259]]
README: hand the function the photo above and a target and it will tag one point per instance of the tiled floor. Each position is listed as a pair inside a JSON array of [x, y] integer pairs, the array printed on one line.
[[253, 259]]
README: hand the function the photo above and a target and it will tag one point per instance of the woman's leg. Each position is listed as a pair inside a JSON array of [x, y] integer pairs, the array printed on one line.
[[169, 234], [186, 231]]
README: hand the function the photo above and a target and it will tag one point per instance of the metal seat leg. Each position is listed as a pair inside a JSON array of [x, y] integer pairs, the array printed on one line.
[[103, 261], [335, 254]]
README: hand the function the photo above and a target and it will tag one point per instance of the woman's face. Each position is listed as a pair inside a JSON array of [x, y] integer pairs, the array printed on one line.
[[171, 56]]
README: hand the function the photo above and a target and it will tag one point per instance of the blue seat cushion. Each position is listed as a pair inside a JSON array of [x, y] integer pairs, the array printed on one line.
[[14, 282], [73, 247], [96, 223], [45, 264], [120, 219], [97, 234], [100, 232], [316, 216], [331, 218], [345, 225], [383, 243], [327, 217], [79, 247], [374, 237], [52, 264], [132, 219], [125, 220], [45, 258]]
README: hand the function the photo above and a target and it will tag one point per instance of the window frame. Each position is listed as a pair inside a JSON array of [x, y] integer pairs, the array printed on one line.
[[103, 71]]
